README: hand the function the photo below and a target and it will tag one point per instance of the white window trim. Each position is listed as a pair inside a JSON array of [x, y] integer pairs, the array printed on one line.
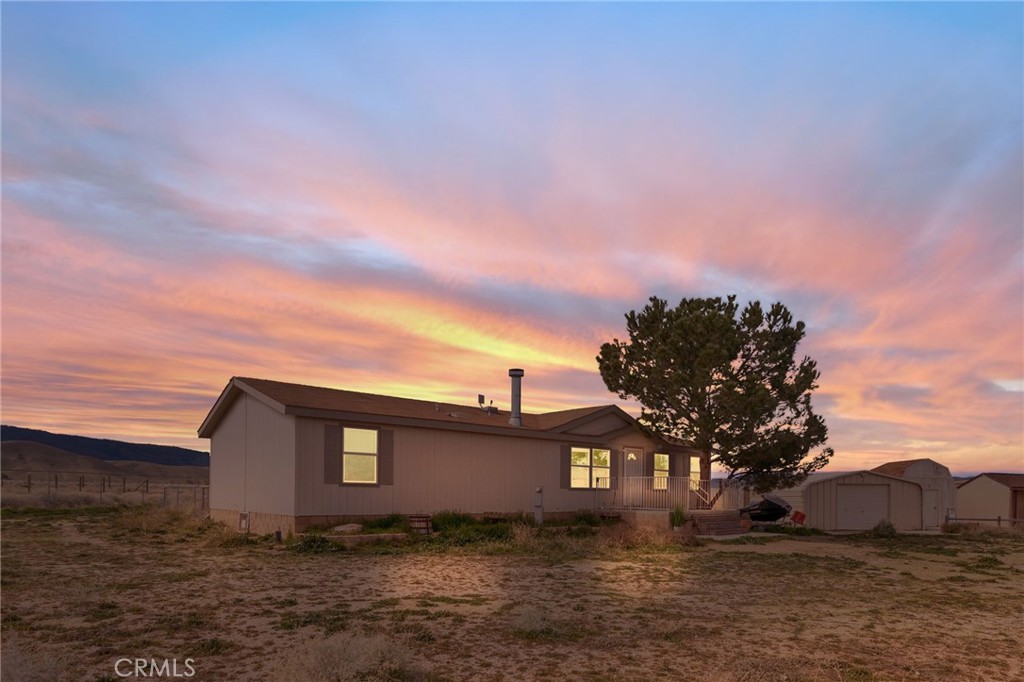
[[591, 469], [345, 451]]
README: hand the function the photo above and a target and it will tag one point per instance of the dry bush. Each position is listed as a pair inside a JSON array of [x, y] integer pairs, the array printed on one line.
[[975, 530], [345, 657], [18, 664], [150, 520], [41, 500], [623, 537]]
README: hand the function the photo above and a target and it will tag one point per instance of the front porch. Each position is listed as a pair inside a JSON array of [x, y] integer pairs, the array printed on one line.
[[669, 492]]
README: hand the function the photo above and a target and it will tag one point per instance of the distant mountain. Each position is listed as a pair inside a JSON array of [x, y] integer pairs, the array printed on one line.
[[111, 450], [18, 457]]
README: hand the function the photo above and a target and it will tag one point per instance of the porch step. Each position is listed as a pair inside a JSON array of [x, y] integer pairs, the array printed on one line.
[[719, 523]]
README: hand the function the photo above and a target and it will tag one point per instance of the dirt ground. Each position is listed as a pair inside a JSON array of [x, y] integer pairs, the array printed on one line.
[[82, 590]]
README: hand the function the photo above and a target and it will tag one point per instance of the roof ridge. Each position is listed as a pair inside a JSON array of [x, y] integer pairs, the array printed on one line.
[[582, 410]]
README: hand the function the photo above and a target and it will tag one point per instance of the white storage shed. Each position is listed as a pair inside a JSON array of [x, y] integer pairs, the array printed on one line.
[[938, 489], [856, 500]]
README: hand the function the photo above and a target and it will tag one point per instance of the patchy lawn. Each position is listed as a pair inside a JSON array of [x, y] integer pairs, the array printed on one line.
[[84, 588]]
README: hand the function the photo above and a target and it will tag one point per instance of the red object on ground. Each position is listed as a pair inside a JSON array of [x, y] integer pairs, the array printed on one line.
[[798, 517]]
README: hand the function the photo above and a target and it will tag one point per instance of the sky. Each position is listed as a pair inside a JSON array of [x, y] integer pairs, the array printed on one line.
[[409, 199]]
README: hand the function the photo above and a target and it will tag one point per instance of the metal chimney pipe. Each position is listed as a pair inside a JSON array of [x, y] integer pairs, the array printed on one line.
[[517, 397]]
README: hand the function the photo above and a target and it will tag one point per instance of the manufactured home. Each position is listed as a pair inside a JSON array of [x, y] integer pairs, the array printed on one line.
[[286, 456]]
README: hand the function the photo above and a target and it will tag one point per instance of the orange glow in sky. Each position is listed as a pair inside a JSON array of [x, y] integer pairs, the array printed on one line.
[[409, 199]]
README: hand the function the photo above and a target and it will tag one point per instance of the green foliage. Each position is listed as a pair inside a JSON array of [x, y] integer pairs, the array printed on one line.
[[678, 516], [448, 519], [393, 523], [314, 543], [883, 529], [586, 517], [470, 534], [725, 381]]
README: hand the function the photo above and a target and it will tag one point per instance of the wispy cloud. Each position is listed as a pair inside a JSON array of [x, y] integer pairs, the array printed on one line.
[[409, 200]]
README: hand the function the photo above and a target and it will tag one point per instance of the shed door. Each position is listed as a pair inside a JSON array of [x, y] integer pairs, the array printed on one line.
[[932, 510], [861, 507]]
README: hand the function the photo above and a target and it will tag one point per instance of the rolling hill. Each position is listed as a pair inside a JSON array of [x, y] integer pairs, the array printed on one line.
[[17, 457], [109, 450]]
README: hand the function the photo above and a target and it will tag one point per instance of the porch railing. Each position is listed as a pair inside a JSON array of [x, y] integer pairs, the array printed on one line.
[[669, 492]]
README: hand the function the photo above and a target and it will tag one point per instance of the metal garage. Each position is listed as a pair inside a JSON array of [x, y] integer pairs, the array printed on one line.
[[936, 483], [856, 500]]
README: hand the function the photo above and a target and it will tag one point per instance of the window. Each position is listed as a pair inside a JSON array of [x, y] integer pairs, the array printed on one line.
[[694, 471], [660, 471], [590, 468], [359, 456]]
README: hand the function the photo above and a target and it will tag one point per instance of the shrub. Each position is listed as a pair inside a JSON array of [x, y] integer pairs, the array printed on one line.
[[394, 523], [314, 543], [469, 534], [448, 519], [586, 517], [883, 529], [678, 516]]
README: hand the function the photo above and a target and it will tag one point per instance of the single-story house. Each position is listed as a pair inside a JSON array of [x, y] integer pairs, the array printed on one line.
[[856, 500], [938, 489], [285, 456], [992, 499]]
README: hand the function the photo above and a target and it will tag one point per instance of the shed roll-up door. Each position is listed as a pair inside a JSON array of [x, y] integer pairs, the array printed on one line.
[[861, 507]]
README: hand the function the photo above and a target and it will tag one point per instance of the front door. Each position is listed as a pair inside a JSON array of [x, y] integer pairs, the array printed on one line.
[[632, 483]]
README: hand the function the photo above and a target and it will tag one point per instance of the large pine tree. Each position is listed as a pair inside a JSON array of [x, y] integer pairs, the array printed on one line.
[[726, 382]]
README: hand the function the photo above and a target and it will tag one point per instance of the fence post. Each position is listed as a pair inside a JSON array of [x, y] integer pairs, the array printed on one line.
[[29, 484], [999, 522], [56, 482]]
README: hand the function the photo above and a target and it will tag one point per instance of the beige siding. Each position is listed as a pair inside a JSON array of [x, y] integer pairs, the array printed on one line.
[[436, 470], [270, 460], [252, 460], [983, 498], [938, 485], [227, 460], [819, 500]]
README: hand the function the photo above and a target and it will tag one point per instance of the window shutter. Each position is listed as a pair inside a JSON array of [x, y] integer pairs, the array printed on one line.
[[564, 462], [332, 454], [672, 468], [386, 457], [616, 463], [648, 463]]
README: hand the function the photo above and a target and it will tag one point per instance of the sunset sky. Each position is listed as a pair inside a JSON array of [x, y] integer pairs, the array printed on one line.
[[409, 199]]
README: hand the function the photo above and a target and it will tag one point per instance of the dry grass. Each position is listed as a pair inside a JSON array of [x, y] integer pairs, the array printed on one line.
[[84, 587], [341, 658]]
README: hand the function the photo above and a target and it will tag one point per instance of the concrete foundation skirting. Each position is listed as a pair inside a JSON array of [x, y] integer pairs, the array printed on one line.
[[645, 518], [259, 523]]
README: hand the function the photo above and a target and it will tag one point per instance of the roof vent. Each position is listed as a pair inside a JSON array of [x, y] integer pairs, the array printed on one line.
[[517, 397]]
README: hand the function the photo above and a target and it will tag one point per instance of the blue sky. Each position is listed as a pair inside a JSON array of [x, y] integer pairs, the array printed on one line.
[[411, 198]]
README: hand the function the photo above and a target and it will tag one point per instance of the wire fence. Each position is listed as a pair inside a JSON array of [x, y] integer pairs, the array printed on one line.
[[998, 521], [72, 488]]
